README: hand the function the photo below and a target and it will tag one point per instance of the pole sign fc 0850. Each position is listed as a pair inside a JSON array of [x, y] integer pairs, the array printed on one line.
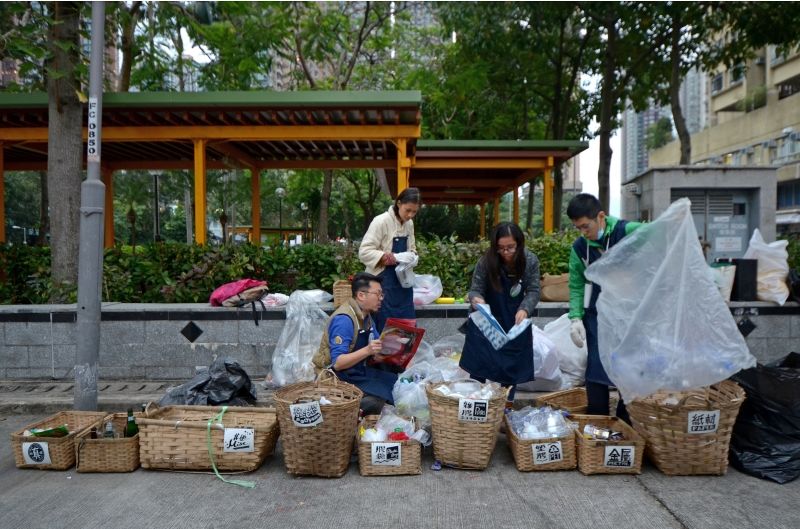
[[92, 145]]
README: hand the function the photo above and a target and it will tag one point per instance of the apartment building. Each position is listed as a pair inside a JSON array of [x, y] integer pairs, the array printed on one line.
[[754, 120]]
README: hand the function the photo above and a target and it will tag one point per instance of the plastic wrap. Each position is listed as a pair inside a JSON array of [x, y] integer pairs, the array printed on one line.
[[300, 338], [427, 289], [571, 358], [661, 321], [772, 270], [406, 261]]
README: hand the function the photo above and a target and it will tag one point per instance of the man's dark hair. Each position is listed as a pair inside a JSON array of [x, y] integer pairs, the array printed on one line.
[[362, 280], [584, 205]]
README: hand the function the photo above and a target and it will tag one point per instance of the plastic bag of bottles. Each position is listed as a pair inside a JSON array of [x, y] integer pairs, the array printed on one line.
[[539, 423], [662, 323]]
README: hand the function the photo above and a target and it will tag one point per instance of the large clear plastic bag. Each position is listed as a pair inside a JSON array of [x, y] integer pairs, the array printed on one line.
[[546, 373], [406, 261], [773, 268], [427, 289], [409, 394], [662, 323], [450, 346], [300, 338], [571, 358]]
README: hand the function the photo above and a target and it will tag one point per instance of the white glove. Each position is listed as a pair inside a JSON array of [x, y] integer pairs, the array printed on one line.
[[577, 332]]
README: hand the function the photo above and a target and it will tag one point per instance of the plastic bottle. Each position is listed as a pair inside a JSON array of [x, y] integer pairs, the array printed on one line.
[[109, 431]]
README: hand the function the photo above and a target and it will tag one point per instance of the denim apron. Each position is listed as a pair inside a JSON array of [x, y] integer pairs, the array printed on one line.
[[594, 368], [512, 363], [368, 379], [398, 302]]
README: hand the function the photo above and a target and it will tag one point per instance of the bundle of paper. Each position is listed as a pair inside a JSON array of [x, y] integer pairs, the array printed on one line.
[[491, 328]]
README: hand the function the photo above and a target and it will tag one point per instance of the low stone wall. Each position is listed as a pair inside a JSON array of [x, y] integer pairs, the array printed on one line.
[[144, 341]]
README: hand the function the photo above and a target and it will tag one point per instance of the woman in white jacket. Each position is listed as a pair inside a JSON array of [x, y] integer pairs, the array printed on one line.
[[388, 234]]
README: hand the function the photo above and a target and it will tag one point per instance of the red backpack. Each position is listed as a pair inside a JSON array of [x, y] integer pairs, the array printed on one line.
[[238, 293]]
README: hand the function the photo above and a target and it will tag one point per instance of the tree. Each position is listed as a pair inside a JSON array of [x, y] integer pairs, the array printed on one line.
[[65, 145], [659, 133]]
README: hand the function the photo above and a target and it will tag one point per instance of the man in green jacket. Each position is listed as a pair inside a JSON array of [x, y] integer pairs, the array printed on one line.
[[599, 232]]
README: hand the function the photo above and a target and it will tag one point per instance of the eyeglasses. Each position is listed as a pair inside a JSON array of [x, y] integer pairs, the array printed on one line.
[[379, 293], [507, 249], [586, 226]]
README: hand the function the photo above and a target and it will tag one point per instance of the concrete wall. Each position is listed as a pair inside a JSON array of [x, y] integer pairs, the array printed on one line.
[[143, 342]]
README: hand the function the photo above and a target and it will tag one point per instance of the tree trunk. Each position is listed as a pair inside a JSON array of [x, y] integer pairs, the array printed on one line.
[[324, 202], [65, 146], [674, 95], [558, 196], [531, 196], [607, 100], [127, 41], [44, 218]]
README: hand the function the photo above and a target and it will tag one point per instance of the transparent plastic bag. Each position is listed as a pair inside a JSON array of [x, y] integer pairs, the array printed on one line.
[[406, 261], [300, 338], [425, 353], [571, 358], [450, 346], [773, 268], [547, 373], [427, 289], [661, 321]]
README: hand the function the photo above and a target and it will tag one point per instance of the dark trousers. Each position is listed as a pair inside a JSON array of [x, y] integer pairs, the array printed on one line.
[[597, 395]]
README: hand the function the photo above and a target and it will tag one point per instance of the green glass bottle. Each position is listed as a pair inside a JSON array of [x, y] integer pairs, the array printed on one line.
[[131, 428]]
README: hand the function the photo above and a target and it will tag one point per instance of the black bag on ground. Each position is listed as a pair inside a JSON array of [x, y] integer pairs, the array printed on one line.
[[223, 382], [766, 437]]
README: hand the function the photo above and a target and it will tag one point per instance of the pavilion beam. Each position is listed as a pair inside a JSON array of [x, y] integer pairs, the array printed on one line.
[[547, 201], [233, 133], [462, 182], [496, 211], [200, 191], [2, 197], [482, 218], [478, 163], [108, 180], [403, 165], [515, 192], [255, 210]]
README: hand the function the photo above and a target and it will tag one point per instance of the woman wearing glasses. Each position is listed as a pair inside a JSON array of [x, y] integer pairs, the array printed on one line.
[[507, 279], [388, 234]]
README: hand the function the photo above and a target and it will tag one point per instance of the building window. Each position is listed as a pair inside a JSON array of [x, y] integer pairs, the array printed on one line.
[[789, 195], [716, 83], [737, 74]]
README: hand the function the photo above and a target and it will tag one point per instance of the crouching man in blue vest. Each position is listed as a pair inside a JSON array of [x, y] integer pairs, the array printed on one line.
[[350, 339], [599, 232]]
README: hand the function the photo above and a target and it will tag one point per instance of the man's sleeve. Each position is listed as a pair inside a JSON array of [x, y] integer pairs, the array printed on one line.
[[340, 334], [577, 282], [632, 226]]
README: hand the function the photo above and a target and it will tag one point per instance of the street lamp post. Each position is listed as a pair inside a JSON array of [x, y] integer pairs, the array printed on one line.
[[304, 207], [280, 193]]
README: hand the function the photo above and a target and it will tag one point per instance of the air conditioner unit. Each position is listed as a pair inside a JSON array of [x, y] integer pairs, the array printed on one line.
[[632, 189]]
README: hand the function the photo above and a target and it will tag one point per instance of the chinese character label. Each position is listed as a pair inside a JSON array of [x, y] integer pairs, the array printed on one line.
[[702, 421], [36, 453], [306, 414], [238, 440], [386, 454], [544, 453], [471, 410], [619, 456]]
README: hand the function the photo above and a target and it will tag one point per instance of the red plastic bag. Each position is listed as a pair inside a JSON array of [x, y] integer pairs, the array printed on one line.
[[223, 292]]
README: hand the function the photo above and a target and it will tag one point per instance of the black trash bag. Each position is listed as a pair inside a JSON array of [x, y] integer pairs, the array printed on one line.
[[766, 437], [224, 382]]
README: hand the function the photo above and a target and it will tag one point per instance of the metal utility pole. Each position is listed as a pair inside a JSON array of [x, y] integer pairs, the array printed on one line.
[[90, 256]]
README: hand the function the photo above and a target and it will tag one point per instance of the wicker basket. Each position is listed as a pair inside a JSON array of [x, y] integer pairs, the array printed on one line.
[[60, 450], [409, 456], [525, 451], [175, 437], [609, 457], [321, 447], [108, 455], [342, 291], [573, 400], [463, 444], [672, 445]]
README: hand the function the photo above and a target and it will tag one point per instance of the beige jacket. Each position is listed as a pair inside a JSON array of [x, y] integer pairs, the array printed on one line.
[[378, 239]]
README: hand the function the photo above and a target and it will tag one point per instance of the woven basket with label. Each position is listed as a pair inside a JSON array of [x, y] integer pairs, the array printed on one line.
[[554, 453], [389, 458], [317, 421], [689, 432], [52, 453], [608, 456]]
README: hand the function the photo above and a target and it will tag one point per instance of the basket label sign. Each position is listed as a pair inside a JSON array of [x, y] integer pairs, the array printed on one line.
[[619, 456], [306, 414], [472, 410], [544, 453], [702, 421], [238, 440], [36, 453], [386, 454]]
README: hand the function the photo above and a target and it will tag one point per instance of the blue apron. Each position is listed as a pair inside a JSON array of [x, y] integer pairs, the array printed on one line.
[[594, 367], [512, 363], [398, 302], [368, 379]]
